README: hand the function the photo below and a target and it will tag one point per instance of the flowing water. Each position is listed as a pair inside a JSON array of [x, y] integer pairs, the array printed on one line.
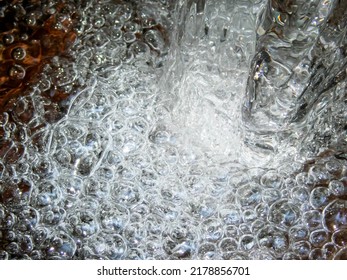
[[188, 129]]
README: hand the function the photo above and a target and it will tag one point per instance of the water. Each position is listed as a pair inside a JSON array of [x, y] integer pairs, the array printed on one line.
[[181, 130]]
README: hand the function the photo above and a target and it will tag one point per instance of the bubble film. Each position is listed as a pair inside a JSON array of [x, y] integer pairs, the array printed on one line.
[[164, 129]]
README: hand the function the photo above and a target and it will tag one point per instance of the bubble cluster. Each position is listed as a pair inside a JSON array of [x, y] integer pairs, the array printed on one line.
[[134, 145]]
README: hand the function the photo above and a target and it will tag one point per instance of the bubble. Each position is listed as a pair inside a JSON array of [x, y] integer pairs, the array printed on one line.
[[147, 18], [261, 254], [334, 167], [312, 219], [318, 238], [71, 185], [230, 216], [18, 53], [31, 19], [60, 246], [12, 248], [338, 188], [318, 174], [283, 212], [155, 40], [228, 244], [131, 26], [290, 256], [302, 179], [15, 193], [300, 194], [212, 230], [249, 216], [247, 242], [127, 193], [273, 238], [52, 215], [129, 37], [8, 39], [135, 254], [262, 210], [302, 248], [341, 255], [297, 233], [317, 254], [271, 195], [4, 255], [111, 245], [99, 22], [17, 72], [28, 219], [271, 180], [207, 251], [114, 217], [184, 250], [140, 50], [36, 255], [26, 244], [249, 195], [83, 224], [124, 12], [329, 250], [340, 237], [40, 235], [319, 197], [117, 34], [335, 215]]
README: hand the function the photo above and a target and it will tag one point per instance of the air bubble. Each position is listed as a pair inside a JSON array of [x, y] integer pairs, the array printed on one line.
[[329, 250], [340, 238], [317, 254], [271, 195], [26, 244], [312, 219], [271, 180], [230, 216], [61, 246], [52, 215], [273, 238], [129, 37], [155, 40], [113, 218], [283, 212], [4, 255], [131, 27], [249, 195], [207, 251], [318, 238], [8, 39], [319, 197], [335, 215], [334, 167], [110, 245], [117, 34], [99, 22], [341, 255], [12, 248], [338, 188], [300, 194], [298, 233], [318, 174], [140, 49], [18, 53], [291, 256], [247, 242], [302, 248], [17, 72]]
